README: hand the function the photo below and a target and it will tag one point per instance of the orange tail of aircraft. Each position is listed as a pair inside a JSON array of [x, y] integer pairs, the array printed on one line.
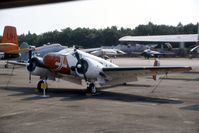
[[9, 44]]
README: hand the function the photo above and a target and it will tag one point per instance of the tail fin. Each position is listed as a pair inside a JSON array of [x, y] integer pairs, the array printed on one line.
[[10, 35], [24, 55], [9, 40]]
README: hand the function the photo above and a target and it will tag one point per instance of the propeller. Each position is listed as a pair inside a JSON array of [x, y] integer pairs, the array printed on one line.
[[31, 64], [82, 65], [31, 67]]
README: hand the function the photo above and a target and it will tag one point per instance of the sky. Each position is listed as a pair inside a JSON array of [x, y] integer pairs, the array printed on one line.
[[99, 14]]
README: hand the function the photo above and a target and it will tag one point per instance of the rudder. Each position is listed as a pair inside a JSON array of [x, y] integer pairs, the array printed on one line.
[[9, 43], [10, 35]]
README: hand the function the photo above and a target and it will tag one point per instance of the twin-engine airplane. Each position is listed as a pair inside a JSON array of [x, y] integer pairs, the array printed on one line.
[[75, 65]]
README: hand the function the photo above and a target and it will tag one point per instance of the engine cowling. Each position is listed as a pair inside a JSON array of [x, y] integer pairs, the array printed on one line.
[[90, 67], [57, 63], [37, 67]]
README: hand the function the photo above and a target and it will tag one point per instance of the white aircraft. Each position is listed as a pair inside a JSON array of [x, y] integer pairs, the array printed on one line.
[[104, 52], [152, 53], [75, 65]]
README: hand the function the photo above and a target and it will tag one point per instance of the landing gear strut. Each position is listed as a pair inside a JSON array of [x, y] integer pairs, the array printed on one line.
[[91, 89], [41, 86], [6, 65]]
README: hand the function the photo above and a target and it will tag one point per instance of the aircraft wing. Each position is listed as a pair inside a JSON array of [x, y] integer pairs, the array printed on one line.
[[165, 53], [120, 75], [89, 50], [18, 63], [161, 38]]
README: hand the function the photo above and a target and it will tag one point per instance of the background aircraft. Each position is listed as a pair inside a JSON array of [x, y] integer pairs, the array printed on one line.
[[10, 49], [196, 48], [75, 65], [9, 46], [151, 53], [35, 51], [105, 53], [163, 38]]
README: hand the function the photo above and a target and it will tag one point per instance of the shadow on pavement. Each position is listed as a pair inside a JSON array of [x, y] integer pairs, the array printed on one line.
[[79, 94]]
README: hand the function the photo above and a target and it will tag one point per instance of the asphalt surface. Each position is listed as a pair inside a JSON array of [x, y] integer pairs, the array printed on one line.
[[132, 108]]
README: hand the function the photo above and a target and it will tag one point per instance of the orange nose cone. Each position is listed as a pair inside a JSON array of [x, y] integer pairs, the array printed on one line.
[[57, 63]]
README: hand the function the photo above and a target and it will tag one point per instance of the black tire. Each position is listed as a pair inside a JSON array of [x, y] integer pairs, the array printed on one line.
[[93, 89], [39, 88], [6, 66], [88, 90]]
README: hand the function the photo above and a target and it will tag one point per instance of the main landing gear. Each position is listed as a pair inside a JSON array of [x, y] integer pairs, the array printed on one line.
[[41, 86], [91, 89], [6, 65]]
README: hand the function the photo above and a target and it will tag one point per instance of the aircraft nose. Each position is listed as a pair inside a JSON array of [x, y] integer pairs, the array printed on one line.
[[57, 63]]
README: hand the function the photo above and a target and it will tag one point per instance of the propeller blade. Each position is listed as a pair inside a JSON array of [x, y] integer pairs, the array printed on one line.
[[30, 54], [77, 55], [85, 78], [194, 48]]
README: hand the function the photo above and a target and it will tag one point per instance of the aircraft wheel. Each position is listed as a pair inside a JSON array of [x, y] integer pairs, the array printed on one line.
[[6, 66], [91, 89], [41, 86]]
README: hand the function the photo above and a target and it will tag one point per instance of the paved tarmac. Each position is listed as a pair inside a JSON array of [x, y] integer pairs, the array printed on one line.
[[131, 108]]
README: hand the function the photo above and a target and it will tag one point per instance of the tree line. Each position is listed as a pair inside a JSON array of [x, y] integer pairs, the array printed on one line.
[[109, 36]]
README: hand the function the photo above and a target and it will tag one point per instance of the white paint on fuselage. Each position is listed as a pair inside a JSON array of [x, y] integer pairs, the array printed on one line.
[[72, 61]]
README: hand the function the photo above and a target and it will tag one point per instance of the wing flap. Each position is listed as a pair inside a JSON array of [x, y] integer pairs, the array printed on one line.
[[127, 74]]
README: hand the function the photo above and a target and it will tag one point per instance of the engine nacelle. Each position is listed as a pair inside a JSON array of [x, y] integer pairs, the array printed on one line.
[[42, 72], [37, 67], [93, 69]]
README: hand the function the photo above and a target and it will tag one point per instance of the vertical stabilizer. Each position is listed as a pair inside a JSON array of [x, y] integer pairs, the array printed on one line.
[[9, 43], [10, 35]]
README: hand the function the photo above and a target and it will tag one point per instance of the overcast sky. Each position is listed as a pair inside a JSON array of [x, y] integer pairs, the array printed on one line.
[[99, 14]]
